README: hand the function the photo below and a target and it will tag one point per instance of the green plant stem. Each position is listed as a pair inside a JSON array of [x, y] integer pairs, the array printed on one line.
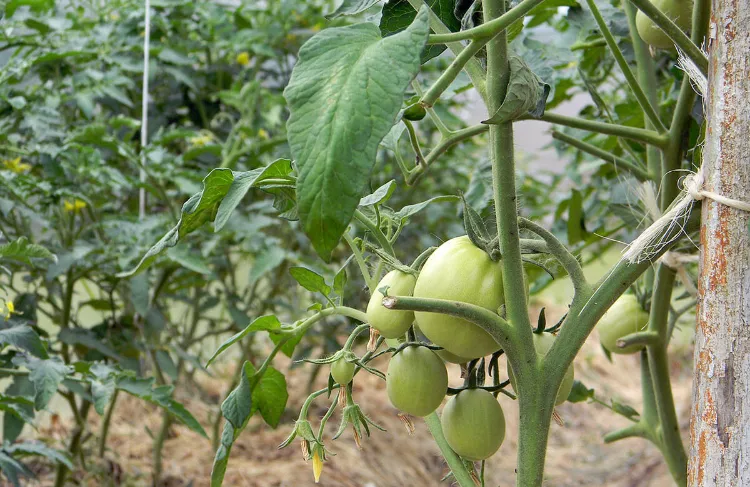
[[375, 230], [369, 281], [442, 128], [633, 133], [672, 31], [158, 448], [450, 74], [639, 338], [106, 422], [414, 141], [567, 260], [490, 28], [472, 68], [674, 450], [648, 109], [75, 443], [646, 71], [493, 324], [617, 161], [443, 146], [460, 473]]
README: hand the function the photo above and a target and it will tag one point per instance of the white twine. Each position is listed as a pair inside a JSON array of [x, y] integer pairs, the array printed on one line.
[[144, 110], [651, 241]]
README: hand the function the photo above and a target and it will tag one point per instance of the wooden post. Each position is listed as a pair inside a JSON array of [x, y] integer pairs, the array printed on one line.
[[720, 420]]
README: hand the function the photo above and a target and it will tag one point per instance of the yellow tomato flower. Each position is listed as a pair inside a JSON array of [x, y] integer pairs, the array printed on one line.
[[243, 58], [317, 27], [317, 461], [74, 206], [263, 134], [10, 309], [16, 166], [204, 138]]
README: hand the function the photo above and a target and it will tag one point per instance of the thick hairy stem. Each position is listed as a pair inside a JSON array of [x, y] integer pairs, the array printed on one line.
[[460, 474], [536, 408]]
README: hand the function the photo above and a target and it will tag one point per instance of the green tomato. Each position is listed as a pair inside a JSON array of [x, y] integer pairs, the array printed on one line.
[[473, 424], [451, 358], [542, 343], [342, 371], [624, 317], [391, 323], [416, 381], [679, 11], [394, 342], [415, 112], [460, 271]]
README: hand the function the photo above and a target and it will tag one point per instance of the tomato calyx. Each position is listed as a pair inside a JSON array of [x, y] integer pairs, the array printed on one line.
[[541, 324], [352, 415], [478, 233]]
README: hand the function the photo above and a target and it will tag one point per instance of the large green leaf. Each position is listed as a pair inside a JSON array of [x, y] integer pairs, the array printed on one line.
[[344, 95], [46, 375], [399, 14]]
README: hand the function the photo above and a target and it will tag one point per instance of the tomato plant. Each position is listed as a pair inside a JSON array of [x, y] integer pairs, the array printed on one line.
[[327, 151]]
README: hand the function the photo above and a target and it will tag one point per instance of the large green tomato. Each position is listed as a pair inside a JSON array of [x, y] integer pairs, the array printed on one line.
[[416, 381], [542, 343], [342, 371], [451, 357], [624, 317], [391, 323], [679, 11], [473, 424], [460, 271]]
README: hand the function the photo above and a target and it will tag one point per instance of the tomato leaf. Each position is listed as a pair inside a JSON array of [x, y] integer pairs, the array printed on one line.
[[46, 375], [344, 96], [399, 14], [526, 94], [310, 280], [223, 189], [380, 195], [580, 393], [270, 396], [23, 251], [352, 7], [25, 338], [264, 323]]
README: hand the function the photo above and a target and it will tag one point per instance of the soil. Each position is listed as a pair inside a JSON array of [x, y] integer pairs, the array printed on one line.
[[577, 455]]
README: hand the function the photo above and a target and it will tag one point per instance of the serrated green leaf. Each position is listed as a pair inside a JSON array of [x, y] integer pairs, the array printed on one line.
[[346, 77], [46, 375], [23, 251], [25, 338], [526, 94], [264, 323]]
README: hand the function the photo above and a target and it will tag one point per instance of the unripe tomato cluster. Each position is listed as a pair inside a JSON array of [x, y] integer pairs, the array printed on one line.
[[416, 380]]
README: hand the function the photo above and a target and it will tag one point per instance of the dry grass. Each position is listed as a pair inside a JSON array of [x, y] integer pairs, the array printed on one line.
[[576, 457]]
